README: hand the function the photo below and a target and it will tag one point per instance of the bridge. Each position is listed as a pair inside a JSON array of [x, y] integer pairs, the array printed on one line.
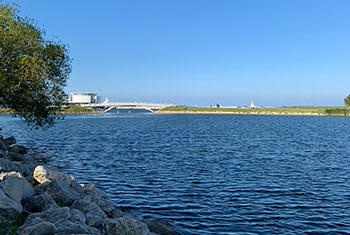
[[106, 106]]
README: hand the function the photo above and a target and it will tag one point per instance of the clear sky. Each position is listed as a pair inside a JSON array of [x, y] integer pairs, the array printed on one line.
[[201, 52]]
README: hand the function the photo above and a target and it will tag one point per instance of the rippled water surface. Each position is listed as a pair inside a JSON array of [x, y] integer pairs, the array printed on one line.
[[209, 174]]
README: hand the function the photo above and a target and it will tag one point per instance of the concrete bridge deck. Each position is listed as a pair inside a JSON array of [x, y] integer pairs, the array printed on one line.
[[152, 107]]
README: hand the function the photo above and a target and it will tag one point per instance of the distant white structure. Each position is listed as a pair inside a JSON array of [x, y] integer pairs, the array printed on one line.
[[106, 101], [84, 98], [252, 106]]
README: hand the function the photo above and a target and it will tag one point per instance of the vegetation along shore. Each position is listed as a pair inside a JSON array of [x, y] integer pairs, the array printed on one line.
[[288, 111]]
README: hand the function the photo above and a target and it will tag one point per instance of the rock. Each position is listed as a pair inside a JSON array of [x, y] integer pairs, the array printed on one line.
[[14, 156], [9, 142], [61, 193], [8, 166], [65, 220], [161, 227], [21, 149], [95, 217], [30, 166], [39, 203], [16, 186], [15, 152], [126, 225], [77, 216], [3, 155], [3, 147], [89, 192], [74, 228], [8, 207], [44, 174], [41, 228], [117, 214]]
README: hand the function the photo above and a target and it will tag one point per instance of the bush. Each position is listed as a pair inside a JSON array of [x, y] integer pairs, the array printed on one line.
[[337, 112]]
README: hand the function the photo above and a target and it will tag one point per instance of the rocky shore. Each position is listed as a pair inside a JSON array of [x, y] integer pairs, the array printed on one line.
[[37, 200]]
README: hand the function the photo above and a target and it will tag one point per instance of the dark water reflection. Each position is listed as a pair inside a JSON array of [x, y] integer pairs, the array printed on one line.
[[210, 174]]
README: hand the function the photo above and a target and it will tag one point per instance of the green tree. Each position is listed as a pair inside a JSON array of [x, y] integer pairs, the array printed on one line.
[[33, 71], [347, 101]]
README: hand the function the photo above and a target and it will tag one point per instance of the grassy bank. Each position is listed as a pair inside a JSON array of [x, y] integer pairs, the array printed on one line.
[[77, 110], [291, 111], [4, 111]]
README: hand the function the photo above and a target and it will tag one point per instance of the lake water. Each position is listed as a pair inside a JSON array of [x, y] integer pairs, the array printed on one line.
[[209, 174]]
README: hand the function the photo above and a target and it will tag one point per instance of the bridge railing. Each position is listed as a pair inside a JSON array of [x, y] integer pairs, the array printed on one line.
[[127, 104]]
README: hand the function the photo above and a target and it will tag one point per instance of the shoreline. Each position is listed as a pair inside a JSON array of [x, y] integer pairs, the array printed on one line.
[[242, 114], [36, 199], [182, 110], [247, 114], [292, 111]]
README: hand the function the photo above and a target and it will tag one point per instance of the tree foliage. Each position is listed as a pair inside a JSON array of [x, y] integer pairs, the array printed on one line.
[[33, 71], [347, 101]]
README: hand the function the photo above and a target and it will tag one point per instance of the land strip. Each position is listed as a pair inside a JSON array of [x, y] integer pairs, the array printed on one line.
[[285, 111]]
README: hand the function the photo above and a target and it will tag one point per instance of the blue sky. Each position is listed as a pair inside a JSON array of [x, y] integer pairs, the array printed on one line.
[[201, 52]]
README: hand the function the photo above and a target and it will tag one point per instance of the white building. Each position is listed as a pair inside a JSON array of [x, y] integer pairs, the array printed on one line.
[[84, 98], [252, 106]]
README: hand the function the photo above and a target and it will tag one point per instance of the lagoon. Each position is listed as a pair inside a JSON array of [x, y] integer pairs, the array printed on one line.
[[208, 174]]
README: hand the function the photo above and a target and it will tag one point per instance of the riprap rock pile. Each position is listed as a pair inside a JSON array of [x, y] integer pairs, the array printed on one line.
[[35, 200]]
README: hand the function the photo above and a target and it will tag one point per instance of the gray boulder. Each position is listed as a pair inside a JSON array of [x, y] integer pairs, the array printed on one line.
[[126, 225], [44, 174], [161, 227], [39, 203], [65, 221], [117, 214], [3, 154], [77, 216], [89, 193], [74, 228], [21, 149], [16, 186], [8, 207], [39, 228], [95, 217], [60, 192], [14, 156], [9, 142], [30, 166], [3, 148], [8, 166]]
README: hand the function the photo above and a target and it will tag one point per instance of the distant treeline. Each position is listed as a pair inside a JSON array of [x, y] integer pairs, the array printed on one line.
[[337, 112]]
